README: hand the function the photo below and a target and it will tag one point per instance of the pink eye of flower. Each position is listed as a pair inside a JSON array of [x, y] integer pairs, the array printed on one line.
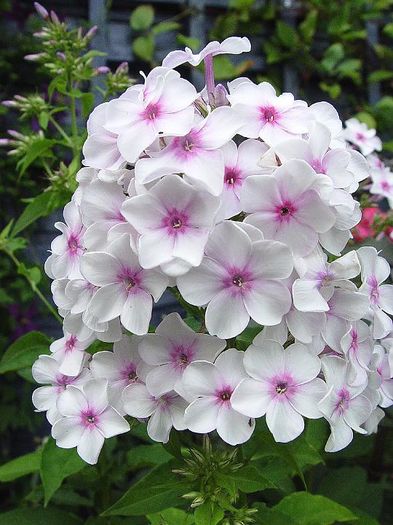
[[183, 359], [231, 176], [238, 280], [268, 114], [360, 136], [151, 112], [226, 395], [73, 244], [343, 400], [282, 387], [129, 282], [70, 343], [385, 185], [176, 223]]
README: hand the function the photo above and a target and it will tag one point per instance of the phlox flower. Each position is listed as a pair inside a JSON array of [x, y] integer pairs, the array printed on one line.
[[344, 406], [126, 289], [163, 106], [318, 277], [283, 384], [87, 419], [164, 412], [68, 247], [324, 113], [233, 45], [171, 349], [382, 184], [380, 363], [121, 368], [240, 277], [287, 206], [210, 387], [46, 372], [264, 114], [174, 220], [362, 136], [375, 270], [357, 346], [192, 153], [69, 351]]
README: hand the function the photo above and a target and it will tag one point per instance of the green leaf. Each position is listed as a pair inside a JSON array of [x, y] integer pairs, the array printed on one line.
[[248, 479], [155, 492], [310, 509], [56, 465], [287, 34], [24, 351], [368, 119], [38, 517], [39, 148], [208, 513], [165, 27], [147, 456], [43, 119], [33, 274], [332, 56], [40, 206], [192, 43], [21, 466], [388, 30], [171, 517], [380, 75], [142, 17], [143, 47], [308, 26], [268, 516]]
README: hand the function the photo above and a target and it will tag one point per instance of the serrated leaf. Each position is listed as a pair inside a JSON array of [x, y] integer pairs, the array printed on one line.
[[56, 465], [21, 466], [24, 351], [155, 492], [142, 17], [311, 509]]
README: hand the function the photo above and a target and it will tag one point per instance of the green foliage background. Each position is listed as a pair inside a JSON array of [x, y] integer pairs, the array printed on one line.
[[137, 481]]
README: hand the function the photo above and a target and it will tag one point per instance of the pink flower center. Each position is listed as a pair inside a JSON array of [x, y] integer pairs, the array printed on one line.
[[71, 343], [385, 185], [175, 222], [232, 177], [73, 245], [89, 418], [269, 114], [151, 112], [62, 381], [374, 290], [317, 166], [360, 136], [187, 146], [285, 211], [355, 341], [343, 401], [224, 395], [282, 386], [128, 373], [325, 278], [238, 280], [129, 279], [181, 356]]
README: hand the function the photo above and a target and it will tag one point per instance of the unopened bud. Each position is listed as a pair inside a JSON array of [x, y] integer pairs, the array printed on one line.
[[41, 10], [54, 17], [9, 103], [34, 57], [91, 32], [61, 55], [220, 96], [5, 142], [103, 70], [122, 68], [14, 134]]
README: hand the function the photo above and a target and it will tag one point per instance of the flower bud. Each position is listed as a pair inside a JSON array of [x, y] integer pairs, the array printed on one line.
[[41, 10], [91, 32], [122, 68], [9, 103], [103, 70], [35, 57], [54, 17]]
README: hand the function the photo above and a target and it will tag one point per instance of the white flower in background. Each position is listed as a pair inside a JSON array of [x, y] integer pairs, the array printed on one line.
[[67, 248], [126, 289], [283, 384], [287, 206], [344, 406], [264, 114], [360, 135], [171, 349], [241, 278], [375, 270], [380, 363], [164, 412], [233, 45], [46, 372], [87, 419], [174, 221], [357, 347], [209, 387]]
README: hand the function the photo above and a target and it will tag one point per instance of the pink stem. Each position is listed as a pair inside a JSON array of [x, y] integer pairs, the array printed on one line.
[[209, 78]]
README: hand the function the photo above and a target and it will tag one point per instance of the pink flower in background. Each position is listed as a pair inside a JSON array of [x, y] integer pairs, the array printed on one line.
[[362, 136]]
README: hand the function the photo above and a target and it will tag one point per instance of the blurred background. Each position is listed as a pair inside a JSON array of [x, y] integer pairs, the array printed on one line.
[[338, 50]]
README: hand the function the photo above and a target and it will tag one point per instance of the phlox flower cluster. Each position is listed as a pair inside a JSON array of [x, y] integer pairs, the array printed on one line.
[[242, 199]]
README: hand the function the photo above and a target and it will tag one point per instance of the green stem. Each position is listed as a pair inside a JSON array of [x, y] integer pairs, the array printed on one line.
[[34, 287], [61, 131]]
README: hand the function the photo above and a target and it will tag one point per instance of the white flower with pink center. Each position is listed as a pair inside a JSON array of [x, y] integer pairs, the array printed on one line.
[[241, 278], [164, 412], [359, 134], [382, 184], [162, 107], [87, 419], [283, 385], [326, 114], [171, 349], [121, 368], [264, 114], [344, 406], [69, 351], [100, 149], [209, 387], [287, 206], [46, 372], [233, 45], [375, 270], [174, 220], [240, 162], [126, 289], [193, 152], [67, 248], [357, 347], [380, 363], [318, 279]]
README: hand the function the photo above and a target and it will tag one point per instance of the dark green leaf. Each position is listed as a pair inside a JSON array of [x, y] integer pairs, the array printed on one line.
[[208, 513], [24, 351], [192, 43], [268, 516], [287, 34], [39, 148], [248, 479], [40, 206], [56, 465], [171, 517], [308, 26], [20, 466], [142, 17], [38, 517], [143, 47], [165, 27], [310, 509], [380, 75], [147, 456], [157, 491]]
